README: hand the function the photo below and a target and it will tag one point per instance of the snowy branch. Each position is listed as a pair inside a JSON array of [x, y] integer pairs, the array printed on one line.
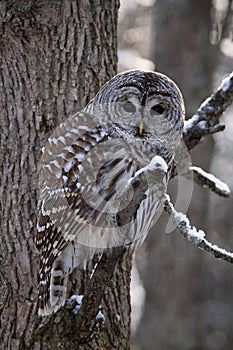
[[205, 179], [206, 120], [196, 237]]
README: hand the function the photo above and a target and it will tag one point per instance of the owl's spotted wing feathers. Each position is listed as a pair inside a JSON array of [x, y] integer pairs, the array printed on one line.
[[61, 204]]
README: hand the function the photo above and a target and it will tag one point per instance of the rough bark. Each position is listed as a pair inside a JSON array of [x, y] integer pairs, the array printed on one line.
[[54, 56]]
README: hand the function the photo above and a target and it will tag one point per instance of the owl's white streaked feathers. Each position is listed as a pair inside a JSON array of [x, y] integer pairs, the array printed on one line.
[[86, 166]]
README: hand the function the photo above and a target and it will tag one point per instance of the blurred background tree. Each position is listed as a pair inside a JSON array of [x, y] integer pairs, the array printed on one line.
[[184, 301]]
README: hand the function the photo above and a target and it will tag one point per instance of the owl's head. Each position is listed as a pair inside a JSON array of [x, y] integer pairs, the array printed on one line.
[[143, 104]]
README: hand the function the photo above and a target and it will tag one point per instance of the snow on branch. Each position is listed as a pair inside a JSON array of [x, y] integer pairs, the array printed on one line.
[[196, 237], [206, 120], [205, 179]]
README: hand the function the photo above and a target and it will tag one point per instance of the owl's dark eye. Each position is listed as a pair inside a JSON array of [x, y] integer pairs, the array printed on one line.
[[157, 109], [128, 107]]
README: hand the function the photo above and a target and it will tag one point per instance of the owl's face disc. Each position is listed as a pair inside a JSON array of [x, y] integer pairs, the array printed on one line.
[[144, 105]]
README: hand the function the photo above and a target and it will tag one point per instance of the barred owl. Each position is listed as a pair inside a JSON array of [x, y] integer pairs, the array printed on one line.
[[86, 166]]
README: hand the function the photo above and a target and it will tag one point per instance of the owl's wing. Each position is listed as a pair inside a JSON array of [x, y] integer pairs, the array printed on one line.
[[62, 209], [61, 166], [79, 185]]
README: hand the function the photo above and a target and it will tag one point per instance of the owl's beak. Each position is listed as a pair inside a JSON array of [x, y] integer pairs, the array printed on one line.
[[140, 128]]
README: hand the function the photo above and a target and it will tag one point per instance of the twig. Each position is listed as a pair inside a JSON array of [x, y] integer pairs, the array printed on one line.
[[196, 237], [206, 120], [205, 179]]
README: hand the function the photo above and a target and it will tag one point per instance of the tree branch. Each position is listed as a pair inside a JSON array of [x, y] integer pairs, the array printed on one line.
[[196, 237], [205, 179], [206, 120]]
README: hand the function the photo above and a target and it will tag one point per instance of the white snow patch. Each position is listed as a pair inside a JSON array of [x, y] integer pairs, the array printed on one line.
[[220, 250], [78, 299], [180, 218], [205, 103], [156, 163], [202, 124], [218, 183], [226, 83], [195, 236], [100, 316], [188, 124]]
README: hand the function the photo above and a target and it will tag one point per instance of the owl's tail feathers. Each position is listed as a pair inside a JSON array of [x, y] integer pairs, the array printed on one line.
[[53, 278], [52, 289]]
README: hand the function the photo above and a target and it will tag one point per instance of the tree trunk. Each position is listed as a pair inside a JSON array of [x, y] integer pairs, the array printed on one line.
[[54, 56], [173, 315]]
